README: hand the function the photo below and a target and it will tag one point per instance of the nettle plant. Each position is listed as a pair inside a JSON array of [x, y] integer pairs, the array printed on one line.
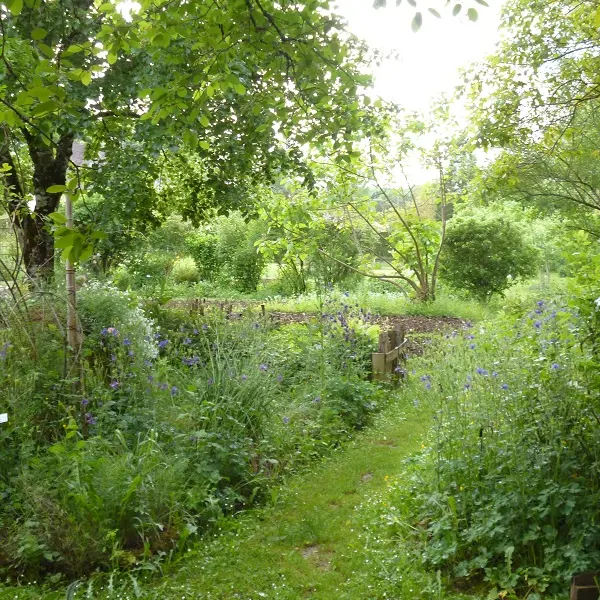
[[508, 486]]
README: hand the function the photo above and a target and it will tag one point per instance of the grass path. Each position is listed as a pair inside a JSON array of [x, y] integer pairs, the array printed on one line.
[[311, 543]]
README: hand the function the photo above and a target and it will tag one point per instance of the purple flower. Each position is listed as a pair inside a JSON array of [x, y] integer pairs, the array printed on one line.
[[195, 331], [285, 420], [163, 343], [84, 402], [114, 384], [147, 363], [470, 337], [205, 327], [472, 346], [174, 390], [504, 386], [481, 371], [131, 353], [467, 386], [263, 367], [540, 303], [537, 324], [89, 419], [255, 326], [187, 341], [162, 386], [428, 385], [317, 399], [279, 378], [425, 377], [210, 381], [495, 374], [400, 370], [113, 357], [555, 366], [104, 331], [126, 342], [244, 377]]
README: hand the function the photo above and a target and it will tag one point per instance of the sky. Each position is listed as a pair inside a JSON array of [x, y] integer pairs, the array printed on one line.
[[428, 60]]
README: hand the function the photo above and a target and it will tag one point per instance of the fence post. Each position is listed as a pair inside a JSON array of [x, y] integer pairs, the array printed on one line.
[[389, 353]]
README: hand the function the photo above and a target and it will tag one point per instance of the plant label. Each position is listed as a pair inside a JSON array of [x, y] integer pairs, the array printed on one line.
[[3, 418]]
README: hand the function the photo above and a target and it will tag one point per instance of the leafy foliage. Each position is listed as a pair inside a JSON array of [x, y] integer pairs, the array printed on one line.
[[486, 254]]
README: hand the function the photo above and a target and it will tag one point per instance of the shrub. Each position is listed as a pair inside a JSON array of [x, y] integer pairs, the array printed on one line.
[[185, 270], [485, 254]]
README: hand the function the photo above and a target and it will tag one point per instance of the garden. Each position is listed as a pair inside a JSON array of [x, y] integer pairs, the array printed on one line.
[[211, 224]]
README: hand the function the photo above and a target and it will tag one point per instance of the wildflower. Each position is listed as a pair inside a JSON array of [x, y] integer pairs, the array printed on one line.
[[210, 381], [400, 370], [113, 357], [205, 327], [150, 378], [317, 399], [256, 326], [555, 366], [263, 367], [195, 331], [187, 341], [495, 374], [112, 331], [89, 419], [279, 378], [114, 384], [147, 363], [467, 386], [103, 331], [481, 371], [505, 386], [537, 324], [163, 343], [131, 353], [428, 385], [285, 420], [244, 377], [174, 390], [84, 402], [540, 303], [126, 342], [470, 337], [472, 346]]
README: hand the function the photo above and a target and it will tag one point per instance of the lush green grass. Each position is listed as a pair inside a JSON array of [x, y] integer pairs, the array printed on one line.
[[318, 539]]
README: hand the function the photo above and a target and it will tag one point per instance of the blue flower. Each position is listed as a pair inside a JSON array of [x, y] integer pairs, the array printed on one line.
[[163, 343], [174, 390], [317, 399], [537, 324], [481, 371], [187, 341], [126, 342], [205, 327], [472, 346], [104, 331], [540, 303], [285, 420], [244, 377], [279, 378], [84, 402], [210, 381], [467, 386], [555, 366], [89, 419], [504, 386], [495, 374], [114, 384], [263, 367]]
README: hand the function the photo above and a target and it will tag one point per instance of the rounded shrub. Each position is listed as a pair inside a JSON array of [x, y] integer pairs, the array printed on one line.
[[185, 270]]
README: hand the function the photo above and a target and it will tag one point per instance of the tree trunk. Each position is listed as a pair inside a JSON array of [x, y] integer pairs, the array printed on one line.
[[49, 168]]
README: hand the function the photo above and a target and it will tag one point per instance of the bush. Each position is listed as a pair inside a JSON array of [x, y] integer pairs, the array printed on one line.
[[185, 270], [485, 254]]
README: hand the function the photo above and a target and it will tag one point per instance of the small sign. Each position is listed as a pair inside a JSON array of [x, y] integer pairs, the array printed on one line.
[[3, 418]]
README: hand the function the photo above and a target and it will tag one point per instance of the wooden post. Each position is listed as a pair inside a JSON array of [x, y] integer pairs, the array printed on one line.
[[263, 311], [585, 586], [389, 353]]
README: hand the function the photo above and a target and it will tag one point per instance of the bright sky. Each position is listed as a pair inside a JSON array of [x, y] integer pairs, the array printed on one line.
[[428, 61]]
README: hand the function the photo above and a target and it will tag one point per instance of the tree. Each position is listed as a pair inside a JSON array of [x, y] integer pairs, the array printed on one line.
[[485, 254], [242, 85]]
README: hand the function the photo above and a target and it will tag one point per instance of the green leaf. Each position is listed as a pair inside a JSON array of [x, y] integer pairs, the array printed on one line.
[[38, 33], [240, 88], [58, 218], [204, 144], [86, 253], [597, 18], [16, 7], [66, 241], [457, 8], [46, 50], [107, 7], [204, 121], [111, 58], [44, 108], [86, 78], [472, 14], [417, 22], [56, 189], [435, 13]]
